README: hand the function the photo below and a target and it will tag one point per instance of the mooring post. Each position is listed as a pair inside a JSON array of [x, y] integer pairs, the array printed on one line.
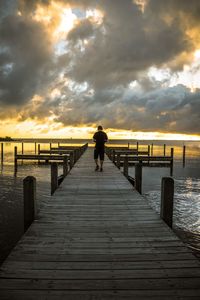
[[137, 146], [184, 148], [29, 192], [54, 177], [113, 156], [126, 166], [138, 177], [35, 147], [172, 162], [49, 146], [38, 149], [65, 165], [164, 149], [152, 149], [74, 152], [15, 158], [1, 152], [58, 144], [71, 160], [118, 160], [22, 148], [128, 145], [167, 197], [149, 148]]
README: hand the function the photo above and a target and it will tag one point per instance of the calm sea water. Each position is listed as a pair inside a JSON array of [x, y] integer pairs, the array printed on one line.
[[187, 188]]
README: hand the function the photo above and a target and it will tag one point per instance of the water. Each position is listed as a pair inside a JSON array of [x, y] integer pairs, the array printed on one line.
[[187, 189]]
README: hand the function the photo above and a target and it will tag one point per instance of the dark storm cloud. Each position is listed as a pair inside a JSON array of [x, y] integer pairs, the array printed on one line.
[[82, 31], [108, 56], [25, 59], [173, 109], [127, 43]]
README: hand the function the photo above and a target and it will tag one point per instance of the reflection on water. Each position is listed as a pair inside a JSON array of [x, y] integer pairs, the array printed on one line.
[[186, 218]]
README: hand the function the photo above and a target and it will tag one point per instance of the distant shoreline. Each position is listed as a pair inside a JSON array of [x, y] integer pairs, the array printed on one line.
[[6, 139], [86, 140]]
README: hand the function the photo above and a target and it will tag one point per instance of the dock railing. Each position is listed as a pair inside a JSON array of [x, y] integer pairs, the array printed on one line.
[[55, 154]]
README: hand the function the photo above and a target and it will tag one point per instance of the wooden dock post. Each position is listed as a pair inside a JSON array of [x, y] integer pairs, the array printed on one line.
[[138, 177], [149, 150], [128, 145], [35, 147], [54, 177], [71, 160], [152, 149], [113, 156], [65, 165], [1, 152], [38, 152], [118, 161], [29, 192], [50, 146], [126, 166], [15, 158], [38, 149], [164, 149], [184, 151], [22, 148], [137, 146], [167, 197], [172, 162]]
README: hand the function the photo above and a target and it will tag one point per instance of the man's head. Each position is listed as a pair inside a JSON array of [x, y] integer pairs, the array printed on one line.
[[100, 127]]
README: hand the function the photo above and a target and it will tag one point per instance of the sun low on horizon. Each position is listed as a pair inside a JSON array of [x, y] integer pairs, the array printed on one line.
[[132, 66]]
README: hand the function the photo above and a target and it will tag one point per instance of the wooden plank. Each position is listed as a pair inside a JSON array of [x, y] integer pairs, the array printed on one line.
[[56, 151], [39, 157]]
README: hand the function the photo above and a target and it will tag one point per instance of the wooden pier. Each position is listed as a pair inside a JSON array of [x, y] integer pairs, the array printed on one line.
[[97, 238], [54, 154]]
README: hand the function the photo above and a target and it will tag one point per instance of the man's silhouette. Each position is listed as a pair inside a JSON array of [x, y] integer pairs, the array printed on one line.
[[100, 138]]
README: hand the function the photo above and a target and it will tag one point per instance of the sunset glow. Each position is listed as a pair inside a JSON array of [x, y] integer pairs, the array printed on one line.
[[67, 67]]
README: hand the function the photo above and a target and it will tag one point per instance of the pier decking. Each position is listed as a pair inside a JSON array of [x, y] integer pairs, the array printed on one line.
[[97, 238]]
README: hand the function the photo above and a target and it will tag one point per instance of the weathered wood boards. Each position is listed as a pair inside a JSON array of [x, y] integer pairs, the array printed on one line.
[[97, 238]]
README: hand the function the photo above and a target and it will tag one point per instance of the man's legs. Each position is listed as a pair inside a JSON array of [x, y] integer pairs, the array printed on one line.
[[97, 165], [96, 159], [101, 160], [101, 164]]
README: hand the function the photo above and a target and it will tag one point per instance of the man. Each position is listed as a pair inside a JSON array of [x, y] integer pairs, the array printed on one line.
[[100, 138]]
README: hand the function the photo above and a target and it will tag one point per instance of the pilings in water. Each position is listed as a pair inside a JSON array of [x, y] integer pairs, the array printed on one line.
[[184, 152], [172, 162], [125, 166], [15, 159], [138, 177], [152, 149], [30, 207], [2, 153], [38, 148], [164, 149], [54, 177], [167, 197], [65, 165], [35, 147]]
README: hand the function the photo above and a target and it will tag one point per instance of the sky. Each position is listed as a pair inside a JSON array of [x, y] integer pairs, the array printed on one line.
[[132, 66]]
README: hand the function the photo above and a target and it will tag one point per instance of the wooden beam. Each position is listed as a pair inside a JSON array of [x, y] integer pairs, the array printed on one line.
[[54, 177], [29, 192], [167, 198]]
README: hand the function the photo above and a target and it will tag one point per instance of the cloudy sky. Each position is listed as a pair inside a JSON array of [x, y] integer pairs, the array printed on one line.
[[131, 65]]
